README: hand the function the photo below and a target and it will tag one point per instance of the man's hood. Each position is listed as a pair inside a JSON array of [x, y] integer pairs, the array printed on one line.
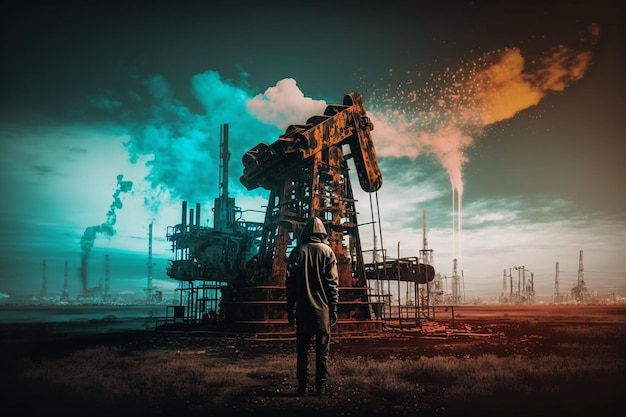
[[313, 227]]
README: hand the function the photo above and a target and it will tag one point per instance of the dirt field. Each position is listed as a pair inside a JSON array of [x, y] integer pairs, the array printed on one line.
[[493, 329], [521, 333]]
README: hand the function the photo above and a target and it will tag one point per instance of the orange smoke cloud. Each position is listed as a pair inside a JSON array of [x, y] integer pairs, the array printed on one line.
[[504, 89], [444, 116]]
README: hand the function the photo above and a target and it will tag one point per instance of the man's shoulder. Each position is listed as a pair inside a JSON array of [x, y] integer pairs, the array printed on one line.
[[309, 246], [323, 247]]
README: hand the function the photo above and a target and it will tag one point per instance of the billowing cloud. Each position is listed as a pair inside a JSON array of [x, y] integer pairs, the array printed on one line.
[[181, 147], [284, 104]]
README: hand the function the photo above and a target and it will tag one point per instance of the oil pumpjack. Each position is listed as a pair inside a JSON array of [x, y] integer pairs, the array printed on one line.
[[306, 171], [243, 264]]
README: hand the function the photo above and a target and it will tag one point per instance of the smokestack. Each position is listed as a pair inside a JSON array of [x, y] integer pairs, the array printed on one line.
[[183, 221], [424, 241], [149, 289], [197, 214], [107, 279], [503, 296], [108, 228], [44, 281], [224, 216], [66, 293], [83, 271], [224, 157]]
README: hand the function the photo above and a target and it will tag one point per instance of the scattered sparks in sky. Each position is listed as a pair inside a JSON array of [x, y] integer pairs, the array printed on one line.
[[450, 109]]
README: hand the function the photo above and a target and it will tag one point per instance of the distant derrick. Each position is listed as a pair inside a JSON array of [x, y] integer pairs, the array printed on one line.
[[579, 291]]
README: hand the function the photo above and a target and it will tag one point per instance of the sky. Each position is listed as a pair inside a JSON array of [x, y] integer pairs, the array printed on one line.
[[502, 121]]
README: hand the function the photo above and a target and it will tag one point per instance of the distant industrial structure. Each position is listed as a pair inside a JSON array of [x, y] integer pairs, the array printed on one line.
[[520, 290], [153, 295], [100, 294], [579, 291]]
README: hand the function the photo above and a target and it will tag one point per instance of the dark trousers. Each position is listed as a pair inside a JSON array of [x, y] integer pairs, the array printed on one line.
[[322, 349]]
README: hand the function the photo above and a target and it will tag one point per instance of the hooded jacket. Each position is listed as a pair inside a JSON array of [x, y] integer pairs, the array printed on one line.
[[312, 280]]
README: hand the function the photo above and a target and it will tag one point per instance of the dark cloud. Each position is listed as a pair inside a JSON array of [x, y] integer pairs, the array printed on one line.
[[42, 169]]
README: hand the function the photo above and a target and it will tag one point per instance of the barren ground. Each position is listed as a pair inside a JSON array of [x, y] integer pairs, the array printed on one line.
[[503, 331]]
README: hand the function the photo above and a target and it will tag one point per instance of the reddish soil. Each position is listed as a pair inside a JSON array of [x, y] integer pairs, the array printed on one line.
[[479, 330]]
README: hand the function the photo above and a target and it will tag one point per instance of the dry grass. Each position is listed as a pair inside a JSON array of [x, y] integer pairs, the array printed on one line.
[[573, 370], [163, 381]]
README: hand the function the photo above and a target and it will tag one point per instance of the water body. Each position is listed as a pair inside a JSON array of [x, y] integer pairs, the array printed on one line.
[[82, 319]]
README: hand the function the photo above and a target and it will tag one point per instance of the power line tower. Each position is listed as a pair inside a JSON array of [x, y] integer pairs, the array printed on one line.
[[426, 254], [433, 293], [456, 283], [556, 297], [579, 291]]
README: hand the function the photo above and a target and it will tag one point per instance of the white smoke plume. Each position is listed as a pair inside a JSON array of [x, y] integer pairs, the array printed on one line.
[[107, 228]]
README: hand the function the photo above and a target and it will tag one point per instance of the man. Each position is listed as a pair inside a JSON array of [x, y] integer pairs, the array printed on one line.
[[312, 298]]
